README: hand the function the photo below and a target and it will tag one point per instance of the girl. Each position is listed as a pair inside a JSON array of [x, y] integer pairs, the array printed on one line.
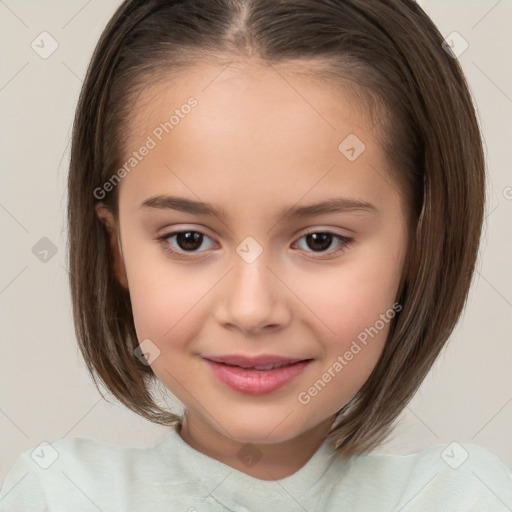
[[274, 209]]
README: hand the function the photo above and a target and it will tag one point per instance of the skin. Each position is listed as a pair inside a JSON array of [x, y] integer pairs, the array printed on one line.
[[254, 145]]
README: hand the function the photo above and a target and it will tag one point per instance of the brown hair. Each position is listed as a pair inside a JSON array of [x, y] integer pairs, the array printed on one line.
[[394, 53]]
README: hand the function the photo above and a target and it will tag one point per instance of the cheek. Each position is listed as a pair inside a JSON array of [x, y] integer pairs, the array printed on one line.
[[355, 316], [164, 295], [166, 305], [349, 298], [354, 306], [341, 297]]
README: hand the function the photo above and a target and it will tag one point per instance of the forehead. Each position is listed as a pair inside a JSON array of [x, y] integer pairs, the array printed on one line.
[[256, 131], [255, 93]]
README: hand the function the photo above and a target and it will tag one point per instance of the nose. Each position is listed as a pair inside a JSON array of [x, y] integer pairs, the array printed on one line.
[[252, 298]]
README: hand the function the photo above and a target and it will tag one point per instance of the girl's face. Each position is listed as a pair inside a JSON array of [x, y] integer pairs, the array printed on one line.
[[253, 143]]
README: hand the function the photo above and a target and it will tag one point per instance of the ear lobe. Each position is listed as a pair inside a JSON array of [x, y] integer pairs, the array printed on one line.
[[107, 218]]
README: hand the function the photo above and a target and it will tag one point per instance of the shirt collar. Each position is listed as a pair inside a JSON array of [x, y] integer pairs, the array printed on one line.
[[239, 491]]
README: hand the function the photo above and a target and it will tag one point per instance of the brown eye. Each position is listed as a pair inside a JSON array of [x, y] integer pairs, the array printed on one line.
[[321, 241], [189, 240], [186, 241]]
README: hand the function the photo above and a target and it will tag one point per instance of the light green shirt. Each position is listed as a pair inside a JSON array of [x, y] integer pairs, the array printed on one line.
[[83, 475]]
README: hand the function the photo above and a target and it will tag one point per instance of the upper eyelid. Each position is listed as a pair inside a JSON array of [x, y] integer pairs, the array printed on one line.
[[342, 238], [299, 233]]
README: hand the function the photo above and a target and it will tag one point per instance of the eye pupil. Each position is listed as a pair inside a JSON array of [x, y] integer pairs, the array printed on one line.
[[189, 240], [319, 237]]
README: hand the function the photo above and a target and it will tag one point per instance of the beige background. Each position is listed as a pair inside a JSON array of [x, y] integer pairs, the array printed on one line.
[[45, 391]]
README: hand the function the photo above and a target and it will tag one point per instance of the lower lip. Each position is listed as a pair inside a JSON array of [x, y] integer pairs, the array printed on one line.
[[256, 382]]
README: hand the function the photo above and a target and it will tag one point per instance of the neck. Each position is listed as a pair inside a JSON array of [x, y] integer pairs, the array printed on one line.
[[263, 461]]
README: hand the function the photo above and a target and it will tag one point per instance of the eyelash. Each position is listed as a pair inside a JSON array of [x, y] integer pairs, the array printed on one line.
[[345, 242]]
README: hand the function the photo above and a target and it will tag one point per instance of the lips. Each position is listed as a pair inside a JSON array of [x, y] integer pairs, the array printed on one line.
[[261, 362], [255, 375]]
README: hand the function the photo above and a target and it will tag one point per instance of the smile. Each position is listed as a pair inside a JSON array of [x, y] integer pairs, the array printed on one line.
[[258, 379]]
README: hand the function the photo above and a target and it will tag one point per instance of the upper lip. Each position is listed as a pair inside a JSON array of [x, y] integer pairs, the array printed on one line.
[[250, 362]]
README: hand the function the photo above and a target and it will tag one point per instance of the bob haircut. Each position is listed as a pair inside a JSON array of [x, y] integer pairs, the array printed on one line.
[[391, 54]]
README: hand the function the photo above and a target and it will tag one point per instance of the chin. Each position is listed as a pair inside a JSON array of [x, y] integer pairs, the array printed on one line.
[[263, 430]]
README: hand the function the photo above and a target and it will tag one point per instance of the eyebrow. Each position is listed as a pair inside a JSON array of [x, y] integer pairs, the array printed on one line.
[[335, 205]]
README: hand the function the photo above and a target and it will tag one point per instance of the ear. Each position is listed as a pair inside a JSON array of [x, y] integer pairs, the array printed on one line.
[[107, 218]]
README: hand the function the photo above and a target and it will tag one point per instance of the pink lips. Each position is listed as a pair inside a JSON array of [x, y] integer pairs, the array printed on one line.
[[251, 362], [239, 373]]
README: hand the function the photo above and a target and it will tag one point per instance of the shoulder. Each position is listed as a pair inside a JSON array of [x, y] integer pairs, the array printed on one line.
[[69, 470], [79, 454], [452, 476]]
